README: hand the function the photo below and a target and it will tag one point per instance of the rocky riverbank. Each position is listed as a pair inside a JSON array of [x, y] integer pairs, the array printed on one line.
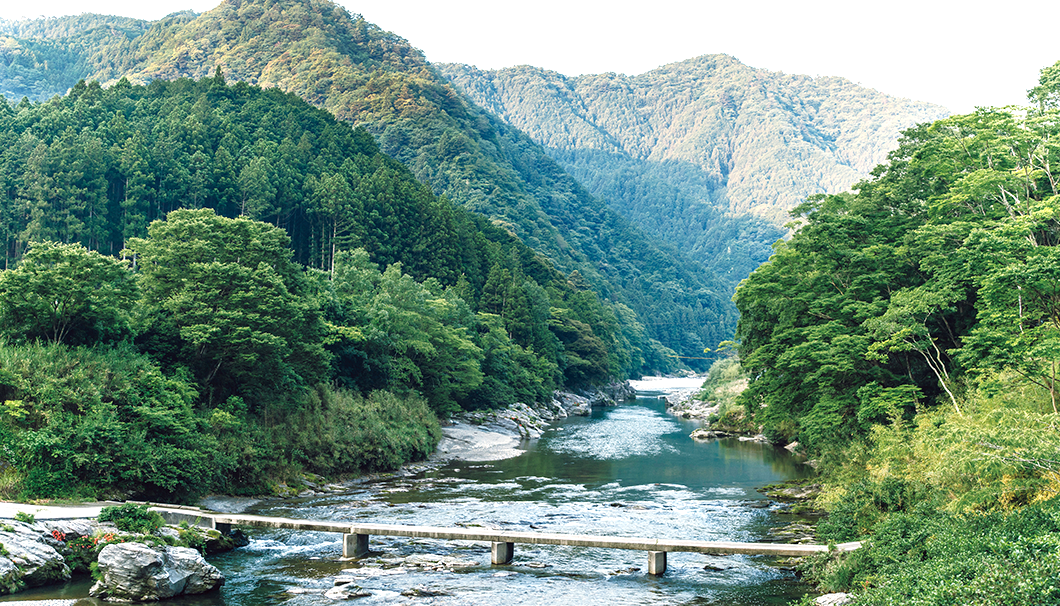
[[679, 394], [51, 550], [491, 435], [484, 435]]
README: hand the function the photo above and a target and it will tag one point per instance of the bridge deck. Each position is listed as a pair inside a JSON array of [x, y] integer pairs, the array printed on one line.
[[537, 538]]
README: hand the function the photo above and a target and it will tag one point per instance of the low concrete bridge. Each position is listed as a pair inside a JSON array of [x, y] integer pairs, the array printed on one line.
[[356, 536]]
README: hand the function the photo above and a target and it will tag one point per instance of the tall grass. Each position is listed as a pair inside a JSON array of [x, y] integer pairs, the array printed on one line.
[[954, 509]]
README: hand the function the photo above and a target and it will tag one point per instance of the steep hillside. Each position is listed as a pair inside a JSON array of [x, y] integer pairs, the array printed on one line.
[[377, 80], [707, 153], [46, 57]]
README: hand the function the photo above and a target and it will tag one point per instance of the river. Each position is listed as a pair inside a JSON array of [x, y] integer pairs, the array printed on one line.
[[627, 471]]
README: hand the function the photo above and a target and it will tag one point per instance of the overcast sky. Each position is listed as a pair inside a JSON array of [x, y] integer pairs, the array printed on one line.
[[944, 52]]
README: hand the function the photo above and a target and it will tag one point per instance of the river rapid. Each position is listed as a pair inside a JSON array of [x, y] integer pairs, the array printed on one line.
[[630, 470]]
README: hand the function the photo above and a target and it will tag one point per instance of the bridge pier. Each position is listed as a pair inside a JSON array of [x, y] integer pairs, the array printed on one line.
[[354, 545], [502, 552], [657, 563]]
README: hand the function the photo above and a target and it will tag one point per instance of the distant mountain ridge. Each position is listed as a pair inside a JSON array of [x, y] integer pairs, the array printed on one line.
[[698, 151]]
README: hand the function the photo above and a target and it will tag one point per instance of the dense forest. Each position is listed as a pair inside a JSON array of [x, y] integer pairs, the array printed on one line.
[[377, 80], [209, 285], [707, 153], [908, 337]]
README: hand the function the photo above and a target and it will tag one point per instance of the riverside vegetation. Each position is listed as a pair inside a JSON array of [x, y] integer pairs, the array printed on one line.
[[161, 352], [908, 337]]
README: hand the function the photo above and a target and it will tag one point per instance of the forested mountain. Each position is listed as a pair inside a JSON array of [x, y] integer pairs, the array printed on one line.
[[45, 57], [707, 153], [150, 323], [377, 80]]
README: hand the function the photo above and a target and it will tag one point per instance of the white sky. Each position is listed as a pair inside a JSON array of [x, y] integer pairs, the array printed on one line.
[[942, 51]]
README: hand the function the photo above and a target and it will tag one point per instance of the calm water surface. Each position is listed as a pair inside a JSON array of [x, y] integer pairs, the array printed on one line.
[[627, 471]]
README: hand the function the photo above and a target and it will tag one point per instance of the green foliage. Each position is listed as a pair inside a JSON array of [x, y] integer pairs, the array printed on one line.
[[63, 293], [938, 271], [725, 381], [193, 537], [342, 433], [196, 350], [131, 517], [103, 422], [907, 334], [26, 518], [224, 294], [940, 559], [82, 552], [41, 58]]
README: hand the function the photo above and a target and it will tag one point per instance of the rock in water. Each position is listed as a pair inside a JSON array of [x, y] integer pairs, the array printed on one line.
[[134, 572], [29, 561], [833, 599]]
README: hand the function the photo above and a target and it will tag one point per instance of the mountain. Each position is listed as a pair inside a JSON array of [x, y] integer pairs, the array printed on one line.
[[707, 153], [41, 58], [377, 80]]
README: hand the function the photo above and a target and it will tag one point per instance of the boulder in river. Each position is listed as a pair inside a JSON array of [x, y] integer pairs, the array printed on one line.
[[703, 434], [134, 572], [833, 599], [27, 560]]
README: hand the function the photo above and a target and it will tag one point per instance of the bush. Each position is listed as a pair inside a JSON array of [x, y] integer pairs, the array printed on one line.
[[936, 558], [102, 423], [81, 552], [133, 518], [340, 432]]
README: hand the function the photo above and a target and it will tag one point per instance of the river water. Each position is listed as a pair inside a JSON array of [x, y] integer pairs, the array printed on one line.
[[626, 471]]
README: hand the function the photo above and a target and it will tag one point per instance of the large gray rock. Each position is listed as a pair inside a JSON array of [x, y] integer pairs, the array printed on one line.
[[28, 560], [134, 572]]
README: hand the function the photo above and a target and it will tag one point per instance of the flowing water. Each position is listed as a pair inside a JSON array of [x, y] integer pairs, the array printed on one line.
[[626, 471]]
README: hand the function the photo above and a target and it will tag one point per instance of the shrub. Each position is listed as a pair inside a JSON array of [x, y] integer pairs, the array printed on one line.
[[340, 432], [102, 423], [81, 552], [936, 558], [133, 518]]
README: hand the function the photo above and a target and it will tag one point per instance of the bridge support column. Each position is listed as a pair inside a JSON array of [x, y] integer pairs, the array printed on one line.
[[354, 545], [502, 553], [657, 563]]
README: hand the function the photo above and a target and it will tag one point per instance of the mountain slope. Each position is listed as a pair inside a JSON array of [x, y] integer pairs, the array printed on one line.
[[46, 57], [375, 79], [707, 153]]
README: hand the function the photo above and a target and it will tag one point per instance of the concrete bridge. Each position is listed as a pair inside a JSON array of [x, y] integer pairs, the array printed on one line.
[[355, 537]]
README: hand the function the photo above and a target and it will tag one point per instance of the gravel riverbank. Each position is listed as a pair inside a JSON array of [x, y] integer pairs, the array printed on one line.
[[492, 435]]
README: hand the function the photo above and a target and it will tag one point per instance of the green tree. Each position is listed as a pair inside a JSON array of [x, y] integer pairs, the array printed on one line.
[[64, 293], [227, 291]]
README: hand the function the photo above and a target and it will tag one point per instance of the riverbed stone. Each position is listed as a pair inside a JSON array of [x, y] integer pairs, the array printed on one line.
[[758, 438], [134, 572], [834, 599], [703, 434], [422, 591], [346, 592]]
